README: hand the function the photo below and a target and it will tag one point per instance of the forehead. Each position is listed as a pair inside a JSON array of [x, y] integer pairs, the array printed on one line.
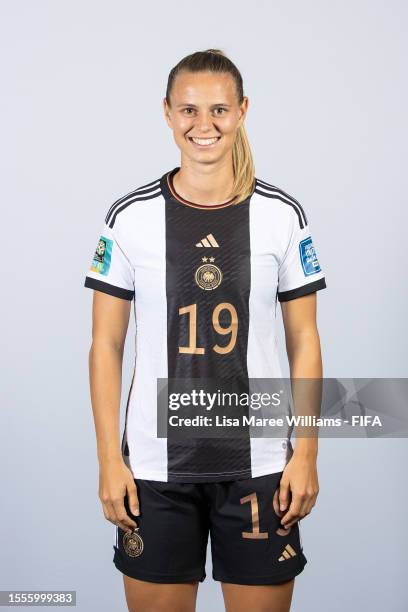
[[202, 87]]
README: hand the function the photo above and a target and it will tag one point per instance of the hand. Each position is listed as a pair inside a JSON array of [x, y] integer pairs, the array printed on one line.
[[115, 480], [299, 482]]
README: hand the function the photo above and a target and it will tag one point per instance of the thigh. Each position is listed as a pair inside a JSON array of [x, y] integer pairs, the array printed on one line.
[[273, 597], [249, 545], [142, 596], [171, 541]]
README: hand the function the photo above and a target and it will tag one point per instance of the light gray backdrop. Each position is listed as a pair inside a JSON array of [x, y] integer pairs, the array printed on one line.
[[82, 87]]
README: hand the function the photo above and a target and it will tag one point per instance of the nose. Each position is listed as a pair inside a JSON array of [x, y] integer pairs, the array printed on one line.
[[203, 121]]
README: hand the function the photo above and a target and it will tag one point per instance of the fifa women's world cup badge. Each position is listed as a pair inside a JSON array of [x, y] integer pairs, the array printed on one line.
[[100, 250], [133, 543], [102, 257], [208, 276]]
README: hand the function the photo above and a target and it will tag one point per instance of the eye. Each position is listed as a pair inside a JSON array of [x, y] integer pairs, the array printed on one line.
[[189, 108], [220, 108]]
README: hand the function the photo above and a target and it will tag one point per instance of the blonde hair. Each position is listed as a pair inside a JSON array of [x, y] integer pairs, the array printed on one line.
[[215, 60]]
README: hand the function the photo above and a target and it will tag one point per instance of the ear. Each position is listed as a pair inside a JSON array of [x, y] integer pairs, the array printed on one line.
[[166, 111], [243, 111]]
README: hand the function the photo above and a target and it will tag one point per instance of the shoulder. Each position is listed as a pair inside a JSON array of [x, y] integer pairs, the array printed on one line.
[[127, 201], [289, 206]]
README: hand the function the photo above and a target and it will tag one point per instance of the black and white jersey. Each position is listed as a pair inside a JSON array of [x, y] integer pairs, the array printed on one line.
[[191, 270]]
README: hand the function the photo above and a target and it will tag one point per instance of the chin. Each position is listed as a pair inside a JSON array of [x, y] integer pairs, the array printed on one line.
[[205, 159]]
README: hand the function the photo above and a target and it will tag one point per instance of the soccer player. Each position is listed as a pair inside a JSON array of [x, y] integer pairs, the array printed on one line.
[[205, 252]]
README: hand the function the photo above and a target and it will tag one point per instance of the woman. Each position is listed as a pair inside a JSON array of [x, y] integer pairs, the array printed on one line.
[[204, 252]]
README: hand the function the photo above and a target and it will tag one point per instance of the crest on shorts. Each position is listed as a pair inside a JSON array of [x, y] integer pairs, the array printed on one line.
[[133, 543], [102, 258], [208, 276]]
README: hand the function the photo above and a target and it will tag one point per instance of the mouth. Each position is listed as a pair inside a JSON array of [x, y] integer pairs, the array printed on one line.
[[204, 143]]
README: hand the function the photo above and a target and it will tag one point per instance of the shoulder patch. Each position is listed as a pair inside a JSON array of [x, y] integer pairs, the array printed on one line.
[[308, 257], [103, 254]]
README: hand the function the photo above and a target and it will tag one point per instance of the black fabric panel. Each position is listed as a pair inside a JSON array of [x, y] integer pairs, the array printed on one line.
[[204, 459]]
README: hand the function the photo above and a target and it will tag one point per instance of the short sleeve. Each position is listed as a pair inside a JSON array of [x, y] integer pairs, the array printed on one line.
[[299, 271], [110, 270]]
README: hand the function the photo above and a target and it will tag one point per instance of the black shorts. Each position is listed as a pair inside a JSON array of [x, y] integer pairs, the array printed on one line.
[[248, 544]]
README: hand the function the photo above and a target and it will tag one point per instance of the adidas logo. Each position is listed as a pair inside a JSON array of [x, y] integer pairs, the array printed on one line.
[[287, 553], [208, 241]]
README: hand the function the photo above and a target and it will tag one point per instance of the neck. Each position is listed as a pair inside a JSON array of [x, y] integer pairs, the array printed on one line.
[[204, 183]]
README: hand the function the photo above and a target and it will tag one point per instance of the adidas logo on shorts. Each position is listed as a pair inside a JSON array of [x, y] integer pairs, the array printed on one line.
[[287, 553]]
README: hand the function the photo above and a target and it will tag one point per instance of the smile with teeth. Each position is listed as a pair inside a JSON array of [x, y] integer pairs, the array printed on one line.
[[204, 142]]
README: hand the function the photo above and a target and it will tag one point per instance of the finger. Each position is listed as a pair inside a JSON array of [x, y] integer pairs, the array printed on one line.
[[105, 511], [308, 504], [133, 498], [306, 507], [284, 495], [121, 516], [292, 522], [109, 514], [108, 511], [292, 515], [275, 503], [303, 510]]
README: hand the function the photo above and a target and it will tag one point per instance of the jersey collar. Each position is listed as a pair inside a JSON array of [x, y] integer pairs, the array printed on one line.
[[170, 193]]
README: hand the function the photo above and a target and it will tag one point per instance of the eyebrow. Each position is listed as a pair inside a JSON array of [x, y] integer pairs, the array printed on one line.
[[194, 106]]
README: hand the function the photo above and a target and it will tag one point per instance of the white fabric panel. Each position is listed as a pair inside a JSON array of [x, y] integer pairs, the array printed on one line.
[[147, 251], [267, 231]]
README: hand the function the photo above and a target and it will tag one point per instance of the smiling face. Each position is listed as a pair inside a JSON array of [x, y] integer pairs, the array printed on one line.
[[204, 115]]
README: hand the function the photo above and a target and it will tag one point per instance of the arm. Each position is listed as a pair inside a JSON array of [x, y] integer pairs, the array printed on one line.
[[299, 480], [303, 349], [110, 319]]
